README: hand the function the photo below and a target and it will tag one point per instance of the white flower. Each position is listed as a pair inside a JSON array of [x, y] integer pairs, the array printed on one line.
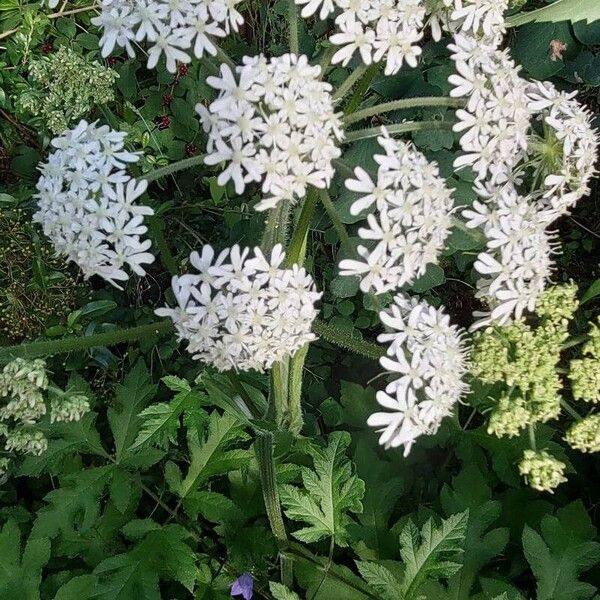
[[273, 122], [176, 28], [86, 203], [429, 355], [243, 311], [410, 221]]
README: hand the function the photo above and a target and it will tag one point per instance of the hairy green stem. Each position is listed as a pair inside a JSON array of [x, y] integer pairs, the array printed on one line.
[[293, 27], [157, 235], [296, 251], [263, 446], [532, 443], [224, 57], [276, 226], [402, 104], [407, 126], [339, 227], [180, 165], [570, 410], [341, 338], [71, 344], [346, 86], [361, 88]]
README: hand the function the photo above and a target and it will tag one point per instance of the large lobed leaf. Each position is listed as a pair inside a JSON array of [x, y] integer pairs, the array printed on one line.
[[563, 10], [331, 491]]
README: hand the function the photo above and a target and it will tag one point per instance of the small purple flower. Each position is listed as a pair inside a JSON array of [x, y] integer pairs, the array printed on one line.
[[243, 586]]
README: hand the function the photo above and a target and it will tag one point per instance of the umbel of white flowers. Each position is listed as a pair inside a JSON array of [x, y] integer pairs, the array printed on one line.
[[409, 219], [390, 30], [243, 310], [533, 150], [179, 29], [429, 357], [86, 203], [273, 122]]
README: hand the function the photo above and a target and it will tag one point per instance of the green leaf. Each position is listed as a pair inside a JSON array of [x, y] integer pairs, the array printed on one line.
[[592, 292], [563, 10], [559, 557], [212, 454], [330, 492], [213, 507], [161, 421], [78, 588], [130, 398], [21, 574], [433, 276], [381, 580], [75, 505], [162, 554], [280, 592], [433, 552]]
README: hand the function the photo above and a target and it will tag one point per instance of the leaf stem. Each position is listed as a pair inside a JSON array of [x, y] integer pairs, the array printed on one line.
[[404, 103], [407, 126], [350, 81], [570, 410], [276, 226], [296, 251], [361, 89], [70, 344], [293, 27], [180, 165]]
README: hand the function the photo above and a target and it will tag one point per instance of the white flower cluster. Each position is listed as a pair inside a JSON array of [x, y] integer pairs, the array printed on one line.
[[572, 161], [411, 220], [517, 262], [274, 122], [175, 28], [243, 311], [533, 151], [391, 30], [429, 356], [23, 385], [86, 203]]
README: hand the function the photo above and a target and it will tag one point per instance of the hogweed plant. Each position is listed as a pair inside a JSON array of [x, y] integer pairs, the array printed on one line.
[[278, 126]]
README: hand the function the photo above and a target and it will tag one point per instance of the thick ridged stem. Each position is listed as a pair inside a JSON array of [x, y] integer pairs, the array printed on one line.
[[71, 344]]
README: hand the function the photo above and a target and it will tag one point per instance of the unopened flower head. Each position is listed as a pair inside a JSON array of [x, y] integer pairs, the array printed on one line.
[[584, 435], [242, 310], [179, 29], [273, 122], [409, 220], [86, 203], [542, 471], [584, 373], [429, 356]]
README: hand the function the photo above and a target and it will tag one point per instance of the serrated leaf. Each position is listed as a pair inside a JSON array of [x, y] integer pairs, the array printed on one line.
[[21, 574], [213, 507], [160, 421], [73, 506], [280, 592], [162, 554], [381, 580], [130, 399], [331, 491], [212, 454], [432, 552], [558, 559], [563, 10]]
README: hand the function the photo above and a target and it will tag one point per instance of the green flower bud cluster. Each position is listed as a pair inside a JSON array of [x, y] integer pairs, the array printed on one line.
[[542, 471], [584, 373], [584, 435], [522, 358], [64, 87], [24, 386]]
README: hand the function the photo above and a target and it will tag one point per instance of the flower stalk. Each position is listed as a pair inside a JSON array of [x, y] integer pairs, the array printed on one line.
[[407, 126], [180, 165]]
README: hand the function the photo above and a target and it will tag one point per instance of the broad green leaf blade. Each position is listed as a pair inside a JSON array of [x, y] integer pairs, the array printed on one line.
[[21, 575], [280, 592], [381, 580], [331, 491], [432, 552], [131, 397], [563, 10], [213, 454]]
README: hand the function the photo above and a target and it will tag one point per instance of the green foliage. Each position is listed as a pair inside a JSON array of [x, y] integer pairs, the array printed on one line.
[[561, 10], [330, 492]]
